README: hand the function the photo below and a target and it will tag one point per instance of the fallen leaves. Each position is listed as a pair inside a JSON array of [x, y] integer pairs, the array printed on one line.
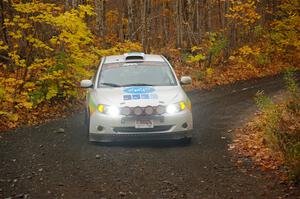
[[250, 142], [206, 78], [271, 139], [44, 113]]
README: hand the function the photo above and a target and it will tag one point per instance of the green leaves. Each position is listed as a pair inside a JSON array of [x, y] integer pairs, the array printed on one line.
[[52, 91], [196, 58]]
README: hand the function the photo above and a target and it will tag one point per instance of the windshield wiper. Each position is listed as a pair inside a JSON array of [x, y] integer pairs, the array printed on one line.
[[111, 84], [138, 84]]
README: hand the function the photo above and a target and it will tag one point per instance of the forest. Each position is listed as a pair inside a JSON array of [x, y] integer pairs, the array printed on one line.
[[48, 46]]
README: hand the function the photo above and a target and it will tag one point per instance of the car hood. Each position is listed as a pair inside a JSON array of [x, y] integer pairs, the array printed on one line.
[[139, 96]]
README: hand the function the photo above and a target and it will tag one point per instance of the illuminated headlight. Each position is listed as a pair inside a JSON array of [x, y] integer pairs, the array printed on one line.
[[175, 108], [109, 110], [113, 111]]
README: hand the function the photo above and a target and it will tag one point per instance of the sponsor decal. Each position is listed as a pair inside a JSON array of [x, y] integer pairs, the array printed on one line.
[[136, 97], [145, 96], [137, 93], [139, 90], [127, 97], [153, 96]]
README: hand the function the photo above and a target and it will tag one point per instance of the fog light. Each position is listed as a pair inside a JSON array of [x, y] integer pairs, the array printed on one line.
[[100, 128], [149, 110], [138, 110], [184, 125]]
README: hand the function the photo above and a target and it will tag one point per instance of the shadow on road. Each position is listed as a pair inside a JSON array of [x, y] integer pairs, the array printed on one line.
[[147, 144]]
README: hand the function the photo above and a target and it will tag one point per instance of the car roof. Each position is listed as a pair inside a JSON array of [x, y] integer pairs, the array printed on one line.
[[122, 58]]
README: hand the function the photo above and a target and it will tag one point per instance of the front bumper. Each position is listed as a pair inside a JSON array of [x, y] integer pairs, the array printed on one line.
[[120, 128]]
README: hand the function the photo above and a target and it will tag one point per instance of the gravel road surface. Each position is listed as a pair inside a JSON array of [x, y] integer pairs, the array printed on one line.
[[48, 162]]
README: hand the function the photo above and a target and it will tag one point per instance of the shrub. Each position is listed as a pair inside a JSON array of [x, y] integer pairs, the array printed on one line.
[[281, 125]]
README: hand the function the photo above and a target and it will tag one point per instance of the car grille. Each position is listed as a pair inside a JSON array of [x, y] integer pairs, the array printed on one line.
[[133, 129]]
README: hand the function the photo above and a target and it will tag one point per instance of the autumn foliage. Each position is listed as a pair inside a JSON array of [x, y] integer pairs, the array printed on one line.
[[272, 138], [47, 47], [46, 51]]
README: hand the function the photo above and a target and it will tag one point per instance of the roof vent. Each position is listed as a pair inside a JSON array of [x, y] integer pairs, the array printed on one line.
[[134, 57]]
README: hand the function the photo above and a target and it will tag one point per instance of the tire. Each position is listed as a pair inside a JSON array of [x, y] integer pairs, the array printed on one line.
[[86, 122], [186, 140]]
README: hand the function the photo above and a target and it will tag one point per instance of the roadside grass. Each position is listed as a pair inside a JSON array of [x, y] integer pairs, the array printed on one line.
[[272, 138]]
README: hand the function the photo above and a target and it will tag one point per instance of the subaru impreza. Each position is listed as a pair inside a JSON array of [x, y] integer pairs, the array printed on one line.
[[137, 96]]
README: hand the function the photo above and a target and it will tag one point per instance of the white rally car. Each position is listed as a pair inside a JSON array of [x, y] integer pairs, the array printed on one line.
[[137, 96]]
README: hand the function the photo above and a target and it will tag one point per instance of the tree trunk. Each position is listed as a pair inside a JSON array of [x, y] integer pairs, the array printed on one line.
[[100, 17], [197, 21], [130, 19], [190, 25], [209, 27], [165, 27], [178, 23], [221, 14], [121, 27], [143, 18], [3, 29], [148, 25]]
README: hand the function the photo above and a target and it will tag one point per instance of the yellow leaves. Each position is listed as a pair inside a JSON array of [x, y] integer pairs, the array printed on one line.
[[209, 71], [232, 58], [244, 12], [29, 86], [13, 117], [27, 105], [37, 43], [17, 59], [3, 46], [54, 40], [56, 60], [9, 86], [120, 48], [285, 38], [246, 50], [52, 91], [196, 48], [41, 64], [35, 7], [196, 58], [85, 10], [24, 25], [8, 23], [72, 31], [19, 21], [2, 93], [15, 35]]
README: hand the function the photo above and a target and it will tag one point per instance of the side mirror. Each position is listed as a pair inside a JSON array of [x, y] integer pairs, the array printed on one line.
[[185, 80], [86, 83]]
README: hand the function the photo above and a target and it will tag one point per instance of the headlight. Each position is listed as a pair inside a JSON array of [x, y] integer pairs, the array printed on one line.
[[109, 110], [113, 111], [175, 108]]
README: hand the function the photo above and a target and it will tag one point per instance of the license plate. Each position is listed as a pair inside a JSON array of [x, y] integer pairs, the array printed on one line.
[[139, 124]]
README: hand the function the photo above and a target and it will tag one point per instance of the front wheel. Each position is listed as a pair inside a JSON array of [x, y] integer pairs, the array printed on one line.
[[86, 122], [186, 140]]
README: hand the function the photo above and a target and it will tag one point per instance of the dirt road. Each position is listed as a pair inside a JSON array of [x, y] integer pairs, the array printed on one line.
[[38, 162]]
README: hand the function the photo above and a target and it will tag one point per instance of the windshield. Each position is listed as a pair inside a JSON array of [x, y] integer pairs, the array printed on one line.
[[136, 74]]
